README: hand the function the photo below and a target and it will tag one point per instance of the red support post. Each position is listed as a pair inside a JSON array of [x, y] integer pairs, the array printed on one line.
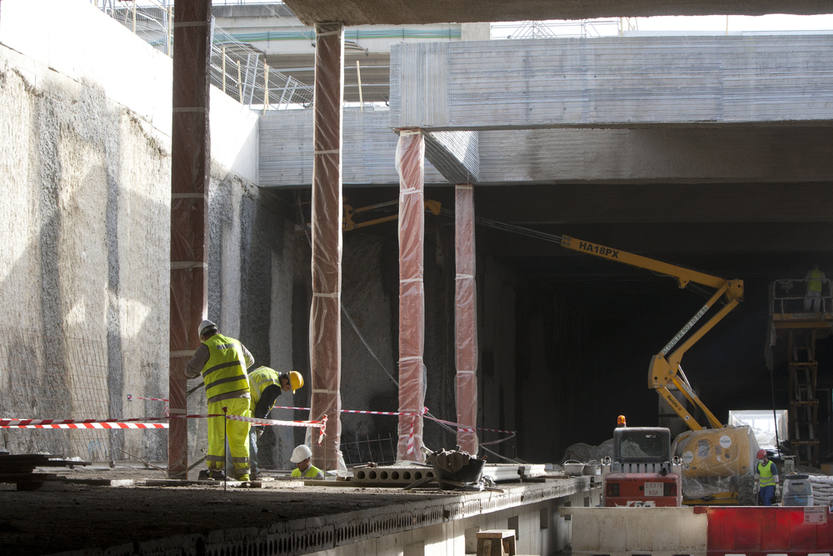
[[325, 312], [410, 163], [465, 318], [190, 164]]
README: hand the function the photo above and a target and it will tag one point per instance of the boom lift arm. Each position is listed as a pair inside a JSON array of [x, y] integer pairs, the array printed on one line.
[[665, 368]]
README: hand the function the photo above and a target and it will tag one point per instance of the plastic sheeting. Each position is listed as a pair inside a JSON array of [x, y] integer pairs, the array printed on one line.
[[465, 318], [325, 311], [190, 160], [717, 463], [410, 164], [763, 424]]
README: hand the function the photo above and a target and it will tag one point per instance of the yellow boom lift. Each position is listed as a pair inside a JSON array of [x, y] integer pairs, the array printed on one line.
[[717, 462]]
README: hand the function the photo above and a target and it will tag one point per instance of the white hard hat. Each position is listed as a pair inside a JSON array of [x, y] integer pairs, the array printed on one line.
[[300, 453], [205, 325]]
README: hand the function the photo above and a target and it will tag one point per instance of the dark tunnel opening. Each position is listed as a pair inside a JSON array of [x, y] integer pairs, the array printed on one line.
[[565, 339]]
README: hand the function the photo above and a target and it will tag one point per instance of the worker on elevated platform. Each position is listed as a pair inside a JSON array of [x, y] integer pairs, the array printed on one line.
[[812, 299]]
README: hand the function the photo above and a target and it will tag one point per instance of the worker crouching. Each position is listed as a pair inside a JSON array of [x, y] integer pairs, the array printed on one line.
[[303, 468], [223, 361]]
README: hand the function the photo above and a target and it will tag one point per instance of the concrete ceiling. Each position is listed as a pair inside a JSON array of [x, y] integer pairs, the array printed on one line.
[[364, 12]]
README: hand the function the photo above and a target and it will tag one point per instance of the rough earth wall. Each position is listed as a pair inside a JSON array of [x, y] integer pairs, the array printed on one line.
[[85, 269]]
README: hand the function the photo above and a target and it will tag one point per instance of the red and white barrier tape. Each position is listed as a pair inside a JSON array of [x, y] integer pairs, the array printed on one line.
[[410, 445], [143, 423], [54, 423], [389, 413], [105, 425]]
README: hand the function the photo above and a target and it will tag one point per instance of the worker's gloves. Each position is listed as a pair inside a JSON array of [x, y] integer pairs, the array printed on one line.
[[756, 487]]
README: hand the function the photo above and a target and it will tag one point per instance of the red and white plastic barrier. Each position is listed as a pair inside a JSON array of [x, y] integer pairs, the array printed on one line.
[[764, 531], [702, 530]]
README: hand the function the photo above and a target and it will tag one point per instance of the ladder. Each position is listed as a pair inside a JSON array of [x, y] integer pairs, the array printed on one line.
[[804, 405]]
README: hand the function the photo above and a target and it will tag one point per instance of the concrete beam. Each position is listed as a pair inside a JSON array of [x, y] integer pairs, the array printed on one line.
[[728, 154], [455, 154], [667, 240], [369, 148], [358, 12], [660, 154], [613, 82], [580, 204]]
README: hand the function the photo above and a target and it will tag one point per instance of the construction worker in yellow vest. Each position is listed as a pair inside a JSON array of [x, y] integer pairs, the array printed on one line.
[[812, 299], [266, 385], [766, 474], [303, 468], [223, 361]]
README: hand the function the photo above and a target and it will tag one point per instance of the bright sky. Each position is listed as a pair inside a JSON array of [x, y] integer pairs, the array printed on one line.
[[710, 24], [737, 23]]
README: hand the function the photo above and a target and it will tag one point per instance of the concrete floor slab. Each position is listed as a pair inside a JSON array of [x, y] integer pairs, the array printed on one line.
[[282, 517]]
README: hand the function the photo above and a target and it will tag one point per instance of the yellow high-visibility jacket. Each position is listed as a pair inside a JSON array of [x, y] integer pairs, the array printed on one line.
[[224, 374]]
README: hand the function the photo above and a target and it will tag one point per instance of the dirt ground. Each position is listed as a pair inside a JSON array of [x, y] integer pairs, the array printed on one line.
[[64, 516]]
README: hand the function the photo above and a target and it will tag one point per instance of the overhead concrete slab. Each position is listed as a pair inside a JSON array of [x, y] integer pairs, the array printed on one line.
[[663, 155], [613, 82], [360, 12]]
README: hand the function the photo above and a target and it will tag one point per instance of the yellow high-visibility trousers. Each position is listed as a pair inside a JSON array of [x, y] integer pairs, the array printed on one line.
[[238, 436]]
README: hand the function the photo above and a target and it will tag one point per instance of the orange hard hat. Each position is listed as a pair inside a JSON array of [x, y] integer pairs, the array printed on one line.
[[761, 454]]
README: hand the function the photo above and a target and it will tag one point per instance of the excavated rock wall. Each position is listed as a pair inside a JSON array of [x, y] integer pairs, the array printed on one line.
[[84, 275], [85, 268]]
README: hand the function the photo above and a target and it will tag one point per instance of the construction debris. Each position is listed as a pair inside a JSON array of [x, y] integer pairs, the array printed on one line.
[[20, 469], [455, 468]]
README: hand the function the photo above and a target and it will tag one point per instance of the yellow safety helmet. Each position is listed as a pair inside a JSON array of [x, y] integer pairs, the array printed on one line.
[[296, 381]]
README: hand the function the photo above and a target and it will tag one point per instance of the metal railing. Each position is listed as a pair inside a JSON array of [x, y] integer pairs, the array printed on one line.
[[789, 295], [584, 28], [380, 450], [237, 68]]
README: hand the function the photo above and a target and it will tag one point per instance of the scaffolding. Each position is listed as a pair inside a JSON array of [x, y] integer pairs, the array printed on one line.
[[801, 322], [237, 68]]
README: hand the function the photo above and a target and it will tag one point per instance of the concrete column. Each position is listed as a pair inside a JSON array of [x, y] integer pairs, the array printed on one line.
[[410, 163], [190, 164], [465, 317], [325, 313]]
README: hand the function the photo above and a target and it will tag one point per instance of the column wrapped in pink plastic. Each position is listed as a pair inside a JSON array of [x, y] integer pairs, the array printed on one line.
[[190, 166], [410, 164], [465, 318], [325, 311]]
